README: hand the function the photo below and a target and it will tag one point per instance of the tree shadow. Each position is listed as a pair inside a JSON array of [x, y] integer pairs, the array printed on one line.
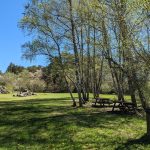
[[130, 144], [45, 122]]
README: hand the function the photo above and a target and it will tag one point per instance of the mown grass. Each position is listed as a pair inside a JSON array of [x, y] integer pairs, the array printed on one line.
[[47, 122]]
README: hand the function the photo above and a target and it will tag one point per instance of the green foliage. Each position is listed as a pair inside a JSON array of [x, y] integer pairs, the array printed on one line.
[[33, 69], [12, 68], [53, 77], [30, 81], [34, 78], [8, 80]]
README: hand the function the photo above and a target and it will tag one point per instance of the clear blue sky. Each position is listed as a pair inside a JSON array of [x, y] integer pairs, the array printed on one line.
[[11, 37]]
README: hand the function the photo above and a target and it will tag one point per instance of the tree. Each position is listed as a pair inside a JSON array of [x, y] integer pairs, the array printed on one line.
[[12, 68], [53, 77]]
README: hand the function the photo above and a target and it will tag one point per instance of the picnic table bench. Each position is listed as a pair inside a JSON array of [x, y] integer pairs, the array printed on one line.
[[124, 106], [103, 102]]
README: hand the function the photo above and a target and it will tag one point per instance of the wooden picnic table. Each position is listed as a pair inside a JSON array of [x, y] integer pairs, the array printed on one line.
[[103, 102], [124, 106], [121, 105]]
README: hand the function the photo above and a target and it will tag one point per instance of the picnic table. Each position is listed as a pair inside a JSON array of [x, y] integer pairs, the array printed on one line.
[[124, 106], [103, 102]]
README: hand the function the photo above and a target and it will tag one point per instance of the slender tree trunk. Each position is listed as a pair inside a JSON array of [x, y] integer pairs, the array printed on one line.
[[132, 91], [75, 54], [99, 82], [88, 64], [94, 70], [113, 70], [64, 74]]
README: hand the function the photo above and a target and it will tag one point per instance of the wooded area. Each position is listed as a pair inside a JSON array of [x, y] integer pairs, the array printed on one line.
[[86, 36]]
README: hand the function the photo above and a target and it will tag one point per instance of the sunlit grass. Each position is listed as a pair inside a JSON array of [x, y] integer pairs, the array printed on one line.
[[10, 97], [47, 122]]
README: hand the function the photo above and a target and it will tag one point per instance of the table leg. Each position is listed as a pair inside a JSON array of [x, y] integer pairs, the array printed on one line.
[[114, 107]]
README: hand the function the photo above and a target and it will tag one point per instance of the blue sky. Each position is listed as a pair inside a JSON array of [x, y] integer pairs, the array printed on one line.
[[11, 37]]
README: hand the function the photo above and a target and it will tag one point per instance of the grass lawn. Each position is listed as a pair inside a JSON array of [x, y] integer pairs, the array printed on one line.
[[47, 122]]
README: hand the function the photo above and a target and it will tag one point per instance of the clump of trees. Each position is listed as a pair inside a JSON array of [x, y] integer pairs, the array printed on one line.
[[88, 36], [16, 69], [19, 82], [33, 78]]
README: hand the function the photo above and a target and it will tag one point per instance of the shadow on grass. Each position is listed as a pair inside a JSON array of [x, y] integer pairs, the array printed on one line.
[[130, 144], [44, 122]]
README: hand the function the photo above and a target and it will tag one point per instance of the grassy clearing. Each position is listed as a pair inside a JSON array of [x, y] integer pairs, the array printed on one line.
[[9, 97], [47, 121]]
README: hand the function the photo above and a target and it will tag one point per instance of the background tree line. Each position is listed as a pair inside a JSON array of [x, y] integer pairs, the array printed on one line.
[[44, 79]]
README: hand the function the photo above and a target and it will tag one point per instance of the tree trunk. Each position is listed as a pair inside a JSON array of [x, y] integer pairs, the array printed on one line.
[[148, 121], [75, 54], [132, 91], [113, 69], [140, 91]]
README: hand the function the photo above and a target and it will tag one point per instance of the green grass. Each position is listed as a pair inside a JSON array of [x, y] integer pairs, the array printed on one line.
[[9, 97], [47, 122]]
